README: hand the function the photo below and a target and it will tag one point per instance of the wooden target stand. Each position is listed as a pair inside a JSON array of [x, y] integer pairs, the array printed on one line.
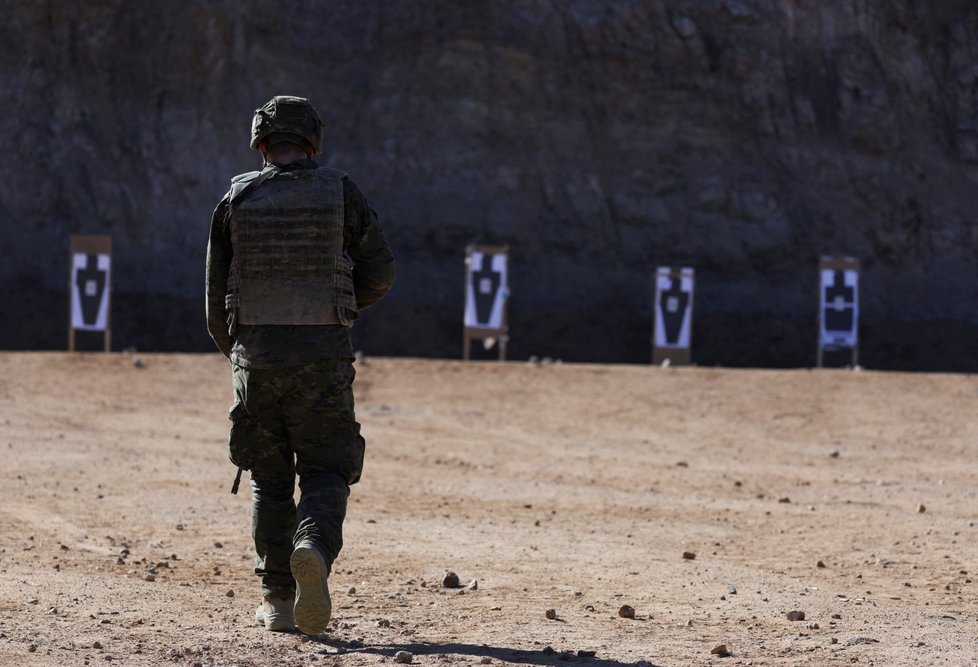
[[78, 289], [472, 328], [837, 264]]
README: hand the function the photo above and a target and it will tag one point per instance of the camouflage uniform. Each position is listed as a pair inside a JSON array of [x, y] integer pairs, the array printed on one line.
[[293, 411]]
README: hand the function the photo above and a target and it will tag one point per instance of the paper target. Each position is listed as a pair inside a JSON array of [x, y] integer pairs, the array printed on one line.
[[673, 307], [486, 290], [90, 291]]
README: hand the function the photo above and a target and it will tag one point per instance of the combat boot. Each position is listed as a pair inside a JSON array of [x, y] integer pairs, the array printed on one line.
[[312, 604], [276, 613]]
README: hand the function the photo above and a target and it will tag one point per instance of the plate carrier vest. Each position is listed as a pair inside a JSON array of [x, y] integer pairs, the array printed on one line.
[[289, 265]]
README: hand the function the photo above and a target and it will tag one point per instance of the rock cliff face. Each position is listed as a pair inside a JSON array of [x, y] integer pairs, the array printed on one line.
[[597, 138]]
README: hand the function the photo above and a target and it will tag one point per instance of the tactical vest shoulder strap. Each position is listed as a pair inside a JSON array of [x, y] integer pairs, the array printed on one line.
[[241, 185], [331, 172]]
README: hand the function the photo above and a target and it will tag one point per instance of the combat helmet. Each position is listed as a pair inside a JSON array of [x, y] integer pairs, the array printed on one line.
[[290, 116]]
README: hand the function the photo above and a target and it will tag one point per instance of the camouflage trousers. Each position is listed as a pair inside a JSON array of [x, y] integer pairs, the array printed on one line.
[[289, 422]]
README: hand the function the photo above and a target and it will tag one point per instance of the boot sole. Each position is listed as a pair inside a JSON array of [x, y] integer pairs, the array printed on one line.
[[313, 607]]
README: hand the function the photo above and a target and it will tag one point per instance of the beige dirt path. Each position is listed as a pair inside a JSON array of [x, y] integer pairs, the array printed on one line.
[[850, 496]]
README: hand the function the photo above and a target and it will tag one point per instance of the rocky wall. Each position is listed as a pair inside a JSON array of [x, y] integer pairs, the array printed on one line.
[[598, 139]]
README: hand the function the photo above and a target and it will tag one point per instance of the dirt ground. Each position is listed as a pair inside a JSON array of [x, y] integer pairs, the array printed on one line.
[[849, 496]]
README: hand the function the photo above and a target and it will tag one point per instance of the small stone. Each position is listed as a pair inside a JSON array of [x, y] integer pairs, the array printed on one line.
[[834, 640], [149, 576], [137, 363], [732, 590], [795, 616], [812, 626], [218, 545], [834, 453], [32, 648], [450, 580], [785, 500], [473, 585], [486, 660], [837, 616], [179, 526], [626, 611], [551, 614], [403, 657], [96, 644], [383, 623], [689, 555], [921, 509], [352, 591], [820, 564], [721, 650], [230, 593]]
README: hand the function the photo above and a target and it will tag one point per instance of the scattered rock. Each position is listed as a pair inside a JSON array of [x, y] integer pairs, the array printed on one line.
[[32, 648], [218, 545], [812, 626], [732, 590], [138, 363], [834, 453], [352, 591], [721, 650], [149, 576], [786, 500], [230, 593], [404, 657], [96, 644], [820, 564], [626, 611], [689, 555], [921, 509], [486, 660], [834, 640], [383, 623], [861, 640], [795, 616], [473, 585], [179, 526], [551, 614], [450, 580]]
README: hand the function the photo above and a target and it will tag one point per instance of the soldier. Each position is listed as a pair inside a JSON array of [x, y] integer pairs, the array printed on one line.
[[295, 252]]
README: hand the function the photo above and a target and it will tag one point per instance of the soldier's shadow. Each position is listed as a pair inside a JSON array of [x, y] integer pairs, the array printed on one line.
[[544, 656]]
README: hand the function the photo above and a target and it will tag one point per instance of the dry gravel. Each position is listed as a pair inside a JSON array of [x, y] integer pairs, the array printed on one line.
[[570, 487]]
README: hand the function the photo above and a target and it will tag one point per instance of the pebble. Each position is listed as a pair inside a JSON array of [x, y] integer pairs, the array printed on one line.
[[486, 660], [218, 545], [812, 626], [230, 593], [921, 509], [551, 614], [820, 564], [352, 591], [149, 576], [626, 611], [689, 555], [96, 644], [403, 657], [720, 650], [450, 580], [383, 623], [473, 585], [795, 616]]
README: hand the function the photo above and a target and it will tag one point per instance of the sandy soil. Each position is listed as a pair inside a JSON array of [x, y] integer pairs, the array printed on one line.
[[850, 496]]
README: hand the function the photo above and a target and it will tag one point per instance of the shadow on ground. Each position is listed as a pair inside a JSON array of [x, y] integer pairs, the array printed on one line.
[[545, 656]]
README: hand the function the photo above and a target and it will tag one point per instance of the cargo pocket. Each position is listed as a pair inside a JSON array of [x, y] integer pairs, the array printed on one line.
[[243, 446]]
